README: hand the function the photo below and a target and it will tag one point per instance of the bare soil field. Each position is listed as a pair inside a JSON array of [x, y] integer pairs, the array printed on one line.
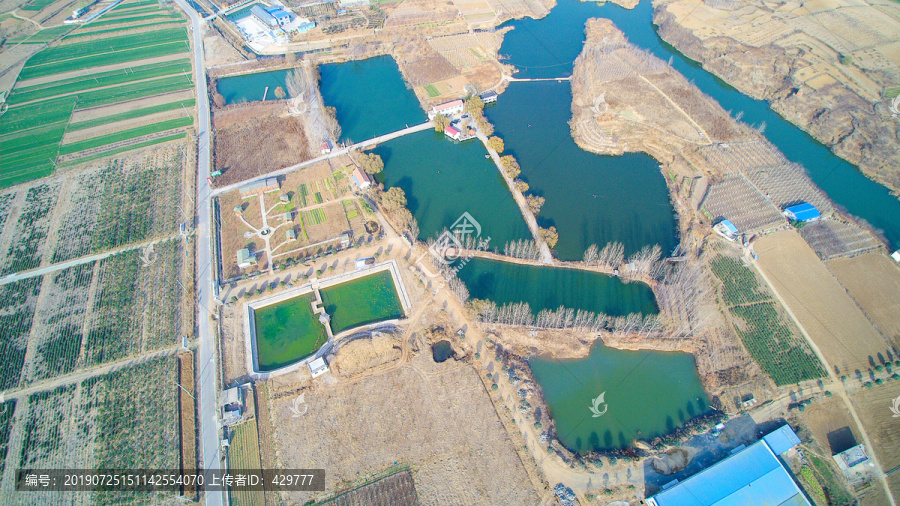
[[873, 405], [826, 416], [131, 105], [438, 418], [819, 302], [118, 126], [826, 66], [187, 418], [218, 51], [873, 280], [257, 144]]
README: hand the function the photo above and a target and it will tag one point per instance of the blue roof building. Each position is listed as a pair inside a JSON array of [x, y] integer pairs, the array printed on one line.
[[753, 475], [803, 212]]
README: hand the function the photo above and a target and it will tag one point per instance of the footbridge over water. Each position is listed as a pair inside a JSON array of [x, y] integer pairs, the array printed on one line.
[[522, 80]]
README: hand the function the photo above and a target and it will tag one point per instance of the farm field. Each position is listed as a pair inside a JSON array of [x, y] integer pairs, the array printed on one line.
[[473, 462], [124, 419], [244, 454], [771, 339], [873, 405], [101, 207], [106, 67], [843, 334], [873, 280], [96, 312]]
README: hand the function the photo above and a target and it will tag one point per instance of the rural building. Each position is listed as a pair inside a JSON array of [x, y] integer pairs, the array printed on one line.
[[284, 198], [291, 235], [362, 179], [345, 240], [281, 16], [489, 97], [753, 475], [452, 132], [288, 216], [852, 462], [267, 185], [245, 258], [263, 16], [726, 229], [354, 3], [447, 108], [365, 263], [326, 147], [802, 212], [318, 367], [232, 405], [896, 256]]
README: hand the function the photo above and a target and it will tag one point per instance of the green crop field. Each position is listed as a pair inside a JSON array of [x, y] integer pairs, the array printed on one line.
[[314, 216], [105, 153], [769, 338], [76, 84], [38, 116], [132, 19], [432, 91], [137, 113], [82, 33], [125, 135], [42, 36], [131, 5], [37, 5]]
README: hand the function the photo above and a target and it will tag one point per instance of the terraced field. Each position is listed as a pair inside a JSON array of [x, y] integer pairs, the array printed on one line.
[[137, 50]]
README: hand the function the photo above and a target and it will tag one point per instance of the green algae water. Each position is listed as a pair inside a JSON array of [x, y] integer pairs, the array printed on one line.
[[551, 287], [370, 97], [645, 394], [590, 199], [287, 332], [251, 87], [360, 301], [443, 179]]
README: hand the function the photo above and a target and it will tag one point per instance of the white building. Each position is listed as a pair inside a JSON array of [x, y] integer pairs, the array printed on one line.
[[447, 109], [318, 367]]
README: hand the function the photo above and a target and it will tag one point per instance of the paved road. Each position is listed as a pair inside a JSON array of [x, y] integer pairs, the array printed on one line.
[[19, 276], [208, 377], [333, 154]]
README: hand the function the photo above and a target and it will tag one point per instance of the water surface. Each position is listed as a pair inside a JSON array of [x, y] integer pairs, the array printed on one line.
[[251, 87], [360, 301], [287, 332]]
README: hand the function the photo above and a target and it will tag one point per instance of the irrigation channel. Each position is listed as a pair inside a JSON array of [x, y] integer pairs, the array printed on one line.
[[591, 199]]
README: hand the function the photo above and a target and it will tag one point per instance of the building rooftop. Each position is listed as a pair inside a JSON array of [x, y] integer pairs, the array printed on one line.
[[753, 475], [448, 105], [803, 212], [781, 439], [450, 130], [262, 184]]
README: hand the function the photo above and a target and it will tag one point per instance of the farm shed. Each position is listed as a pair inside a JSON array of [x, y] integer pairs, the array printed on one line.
[[318, 367], [753, 475], [802, 212], [245, 258], [267, 185]]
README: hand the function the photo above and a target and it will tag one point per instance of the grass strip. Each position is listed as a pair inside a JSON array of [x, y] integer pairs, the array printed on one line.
[[97, 60], [124, 148], [125, 135], [107, 45], [79, 33], [137, 113]]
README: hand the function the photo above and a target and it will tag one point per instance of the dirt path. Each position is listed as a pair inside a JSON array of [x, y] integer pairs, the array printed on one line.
[[838, 387], [60, 210], [686, 115], [38, 25]]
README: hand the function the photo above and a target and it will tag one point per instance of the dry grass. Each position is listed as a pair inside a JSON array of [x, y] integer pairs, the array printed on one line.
[[438, 418], [187, 414], [832, 319], [873, 407], [257, 145], [873, 280]]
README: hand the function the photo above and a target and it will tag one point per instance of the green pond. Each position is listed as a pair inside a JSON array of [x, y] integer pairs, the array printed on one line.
[[360, 301], [359, 90], [443, 179], [551, 287], [287, 332], [251, 87], [645, 395]]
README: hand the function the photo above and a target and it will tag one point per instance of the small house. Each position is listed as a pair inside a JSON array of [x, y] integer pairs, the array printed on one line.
[[452, 132], [267, 185], [284, 199], [345, 240], [232, 405], [326, 147], [726, 229], [239, 210], [245, 258], [803, 212], [318, 367], [362, 179], [288, 216], [489, 97]]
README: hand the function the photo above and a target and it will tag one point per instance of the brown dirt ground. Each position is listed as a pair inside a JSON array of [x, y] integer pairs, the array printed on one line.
[[873, 405], [187, 413], [232, 233], [437, 417], [825, 416], [831, 318], [873, 280], [257, 145], [217, 51]]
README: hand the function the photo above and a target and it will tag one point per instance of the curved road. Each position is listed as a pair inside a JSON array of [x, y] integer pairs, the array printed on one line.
[[208, 377]]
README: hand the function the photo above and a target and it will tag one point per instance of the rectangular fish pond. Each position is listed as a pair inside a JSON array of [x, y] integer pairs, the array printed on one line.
[[288, 331], [369, 299]]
